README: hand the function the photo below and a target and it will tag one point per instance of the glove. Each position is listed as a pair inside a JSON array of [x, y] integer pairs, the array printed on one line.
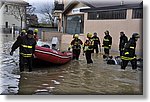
[[109, 46], [11, 53], [102, 45], [69, 49]]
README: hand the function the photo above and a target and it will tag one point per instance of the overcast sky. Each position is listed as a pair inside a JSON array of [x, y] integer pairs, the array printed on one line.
[[39, 4]]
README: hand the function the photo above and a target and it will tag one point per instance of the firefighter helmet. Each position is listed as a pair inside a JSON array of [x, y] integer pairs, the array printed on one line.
[[89, 35], [95, 34], [135, 35], [23, 31], [36, 30], [106, 32], [76, 36], [30, 32]]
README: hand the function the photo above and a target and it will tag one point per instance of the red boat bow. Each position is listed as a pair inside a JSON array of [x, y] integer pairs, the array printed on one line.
[[52, 56]]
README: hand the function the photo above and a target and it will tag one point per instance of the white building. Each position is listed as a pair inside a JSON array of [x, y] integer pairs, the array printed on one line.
[[13, 15]]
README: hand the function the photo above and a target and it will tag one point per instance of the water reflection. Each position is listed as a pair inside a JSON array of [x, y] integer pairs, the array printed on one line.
[[77, 77]]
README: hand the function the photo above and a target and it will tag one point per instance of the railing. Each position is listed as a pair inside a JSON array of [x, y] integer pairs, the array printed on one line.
[[9, 30]]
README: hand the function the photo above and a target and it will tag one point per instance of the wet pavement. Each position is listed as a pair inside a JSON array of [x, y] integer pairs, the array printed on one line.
[[9, 72], [77, 77]]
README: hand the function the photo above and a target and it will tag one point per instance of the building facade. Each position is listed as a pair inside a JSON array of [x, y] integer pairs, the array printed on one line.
[[81, 17], [13, 15]]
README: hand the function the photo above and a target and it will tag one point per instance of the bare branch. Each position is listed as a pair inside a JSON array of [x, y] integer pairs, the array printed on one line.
[[46, 10]]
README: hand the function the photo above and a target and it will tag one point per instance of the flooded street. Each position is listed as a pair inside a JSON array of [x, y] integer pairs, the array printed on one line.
[[77, 77], [74, 77]]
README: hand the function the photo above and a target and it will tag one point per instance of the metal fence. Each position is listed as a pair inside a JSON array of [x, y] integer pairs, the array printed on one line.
[[8, 30]]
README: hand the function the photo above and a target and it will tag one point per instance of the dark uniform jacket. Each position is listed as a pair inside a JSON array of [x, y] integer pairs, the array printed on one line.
[[129, 50], [88, 45], [96, 40], [76, 44], [107, 42], [123, 41], [26, 45]]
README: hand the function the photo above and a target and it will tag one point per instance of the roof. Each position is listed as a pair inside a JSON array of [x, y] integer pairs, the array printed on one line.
[[70, 6], [115, 7], [104, 5], [21, 2]]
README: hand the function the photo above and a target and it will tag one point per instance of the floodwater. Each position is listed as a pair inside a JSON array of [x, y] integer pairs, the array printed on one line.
[[77, 77], [74, 77]]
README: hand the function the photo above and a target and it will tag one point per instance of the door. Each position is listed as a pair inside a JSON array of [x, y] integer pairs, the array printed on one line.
[[75, 24]]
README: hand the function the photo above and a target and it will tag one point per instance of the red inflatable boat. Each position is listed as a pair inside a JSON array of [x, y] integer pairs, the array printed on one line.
[[53, 56]]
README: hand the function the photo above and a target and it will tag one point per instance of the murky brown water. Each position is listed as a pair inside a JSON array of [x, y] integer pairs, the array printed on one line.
[[76, 77]]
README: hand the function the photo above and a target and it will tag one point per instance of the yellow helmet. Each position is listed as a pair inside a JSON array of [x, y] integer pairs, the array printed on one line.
[[89, 35], [76, 36], [23, 31], [36, 30]]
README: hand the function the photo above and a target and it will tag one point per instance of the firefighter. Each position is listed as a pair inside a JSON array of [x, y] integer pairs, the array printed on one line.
[[26, 46], [129, 52], [88, 48], [76, 45], [96, 42], [123, 41], [107, 42], [23, 33], [35, 34]]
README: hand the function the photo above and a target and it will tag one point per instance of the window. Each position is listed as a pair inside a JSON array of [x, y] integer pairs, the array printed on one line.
[[6, 24], [6, 8], [137, 13], [92, 15], [113, 14], [75, 24]]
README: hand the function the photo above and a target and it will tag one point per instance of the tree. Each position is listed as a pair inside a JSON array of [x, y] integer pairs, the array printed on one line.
[[31, 18], [47, 11], [18, 11]]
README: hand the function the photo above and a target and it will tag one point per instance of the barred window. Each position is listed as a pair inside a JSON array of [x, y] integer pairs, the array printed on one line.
[[92, 15], [137, 13], [113, 14]]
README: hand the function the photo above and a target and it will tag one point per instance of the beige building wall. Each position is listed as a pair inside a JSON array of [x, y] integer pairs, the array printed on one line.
[[129, 26]]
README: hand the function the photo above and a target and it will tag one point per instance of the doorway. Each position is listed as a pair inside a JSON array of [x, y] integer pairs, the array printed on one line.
[[75, 24]]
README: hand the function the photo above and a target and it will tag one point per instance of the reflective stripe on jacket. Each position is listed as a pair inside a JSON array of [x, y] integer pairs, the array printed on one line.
[[129, 50], [26, 55], [107, 42], [127, 58], [88, 45], [76, 44], [26, 46]]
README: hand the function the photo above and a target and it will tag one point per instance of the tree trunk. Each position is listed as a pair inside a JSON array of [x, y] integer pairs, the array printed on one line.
[[21, 23]]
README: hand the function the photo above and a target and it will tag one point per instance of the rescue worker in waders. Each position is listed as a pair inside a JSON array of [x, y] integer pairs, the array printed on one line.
[[26, 46], [35, 34], [88, 48], [76, 45], [96, 43], [123, 41], [129, 52], [107, 42]]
